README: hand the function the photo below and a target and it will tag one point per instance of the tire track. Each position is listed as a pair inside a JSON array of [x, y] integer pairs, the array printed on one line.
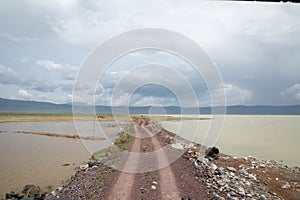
[[123, 187], [169, 189]]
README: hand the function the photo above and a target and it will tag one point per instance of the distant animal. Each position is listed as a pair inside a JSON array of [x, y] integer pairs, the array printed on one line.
[[212, 153]]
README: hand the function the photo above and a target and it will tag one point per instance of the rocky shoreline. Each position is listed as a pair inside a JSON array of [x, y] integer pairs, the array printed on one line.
[[245, 178], [232, 178], [222, 177]]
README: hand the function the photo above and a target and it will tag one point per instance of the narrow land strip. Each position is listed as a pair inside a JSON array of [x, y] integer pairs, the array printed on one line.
[[167, 179], [60, 135], [123, 187]]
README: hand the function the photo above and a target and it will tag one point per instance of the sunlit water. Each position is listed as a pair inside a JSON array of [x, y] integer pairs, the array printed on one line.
[[34, 159], [272, 137]]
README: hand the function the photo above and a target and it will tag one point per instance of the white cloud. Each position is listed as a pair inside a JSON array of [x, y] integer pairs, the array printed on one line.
[[70, 73], [49, 65], [155, 101], [24, 94], [86, 27], [292, 92], [269, 31], [7, 75], [6, 71], [235, 95]]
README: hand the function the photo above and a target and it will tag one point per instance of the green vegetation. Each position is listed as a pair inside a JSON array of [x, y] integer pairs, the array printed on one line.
[[73, 177], [50, 187], [151, 171], [111, 152], [123, 141], [146, 147]]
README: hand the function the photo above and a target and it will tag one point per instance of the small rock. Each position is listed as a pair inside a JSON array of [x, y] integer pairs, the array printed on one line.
[[251, 176], [218, 197], [177, 146], [31, 191], [232, 169], [262, 165], [262, 197], [218, 171], [153, 187], [93, 163], [59, 189], [244, 172], [248, 195], [154, 182], [54, 193], [79, 173], [196, 165], [247, 183], [232, 174], [241, 191], [95, 167], [13, 195], [83, 167], [221, 182], [202, 159], [213, 166], [286, 186], [143, 190]]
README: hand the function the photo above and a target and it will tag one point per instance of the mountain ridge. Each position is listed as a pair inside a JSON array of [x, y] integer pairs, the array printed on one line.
[[23, 106]]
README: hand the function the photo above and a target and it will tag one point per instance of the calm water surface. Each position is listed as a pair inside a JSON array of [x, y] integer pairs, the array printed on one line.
[[38, 159], [273, 137]]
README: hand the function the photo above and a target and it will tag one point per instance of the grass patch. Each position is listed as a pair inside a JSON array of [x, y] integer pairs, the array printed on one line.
[[123, 141], [109, 153], [146, 147], [50, 187]]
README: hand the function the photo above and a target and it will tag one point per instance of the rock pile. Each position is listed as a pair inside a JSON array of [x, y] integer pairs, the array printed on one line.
[[228, 183], [28, 192], [87, 181]]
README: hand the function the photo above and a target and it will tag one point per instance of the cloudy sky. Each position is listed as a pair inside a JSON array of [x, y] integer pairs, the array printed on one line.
[[255, 46]]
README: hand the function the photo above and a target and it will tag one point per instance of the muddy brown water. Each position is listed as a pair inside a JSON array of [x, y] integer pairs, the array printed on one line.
[[271, 137], [35, 159]]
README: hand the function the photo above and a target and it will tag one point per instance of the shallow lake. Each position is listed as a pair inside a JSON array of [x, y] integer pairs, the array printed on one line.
[[39, 159], [272, 137]]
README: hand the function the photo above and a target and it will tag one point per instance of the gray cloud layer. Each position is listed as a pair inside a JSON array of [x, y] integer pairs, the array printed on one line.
[[256, 47]]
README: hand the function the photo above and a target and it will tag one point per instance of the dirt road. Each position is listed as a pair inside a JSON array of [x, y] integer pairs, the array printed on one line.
[[146, 172], [159, 184]]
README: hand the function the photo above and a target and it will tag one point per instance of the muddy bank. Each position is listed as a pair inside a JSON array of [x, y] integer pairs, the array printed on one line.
[[60, 135]]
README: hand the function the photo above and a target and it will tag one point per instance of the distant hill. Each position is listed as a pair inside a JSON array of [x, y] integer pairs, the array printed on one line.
[[8, 105]]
